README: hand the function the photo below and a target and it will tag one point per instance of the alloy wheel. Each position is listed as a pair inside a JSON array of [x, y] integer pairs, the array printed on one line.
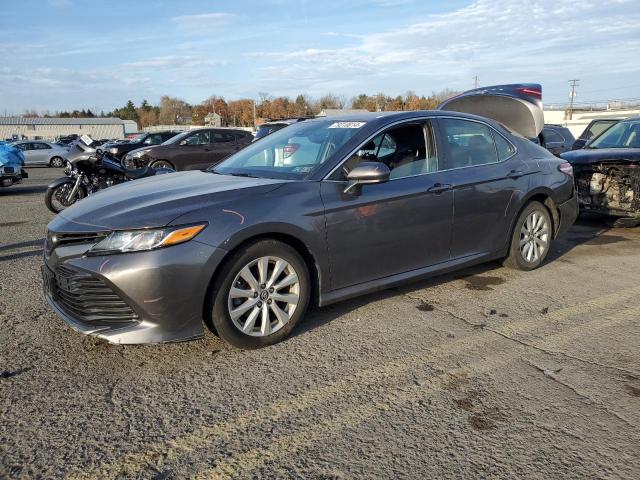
[[263, 296], [57, 162], [534, 237]]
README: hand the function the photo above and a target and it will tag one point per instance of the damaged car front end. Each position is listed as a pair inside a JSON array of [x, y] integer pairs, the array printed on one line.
[[11, 163], [607, 171]]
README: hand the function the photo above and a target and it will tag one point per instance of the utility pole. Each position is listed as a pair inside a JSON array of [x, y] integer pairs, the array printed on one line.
[[573, 84], [476, 81], [254, 114]]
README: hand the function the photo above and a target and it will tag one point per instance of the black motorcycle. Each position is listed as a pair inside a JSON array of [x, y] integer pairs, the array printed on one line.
[[88, 172]]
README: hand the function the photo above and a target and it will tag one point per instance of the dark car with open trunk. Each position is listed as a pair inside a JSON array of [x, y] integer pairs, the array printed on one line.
[[319, 211]]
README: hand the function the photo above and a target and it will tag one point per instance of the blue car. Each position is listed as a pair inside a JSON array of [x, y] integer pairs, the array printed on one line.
[[11, 163]]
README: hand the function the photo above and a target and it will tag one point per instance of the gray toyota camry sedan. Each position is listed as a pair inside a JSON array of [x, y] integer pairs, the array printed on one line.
[[320, 211]]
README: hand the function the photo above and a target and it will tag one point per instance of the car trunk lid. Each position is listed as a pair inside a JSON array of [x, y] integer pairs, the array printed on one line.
[[517, 106]]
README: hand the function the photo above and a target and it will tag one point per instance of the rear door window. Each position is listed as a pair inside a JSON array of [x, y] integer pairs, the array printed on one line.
[[222, 137], [467, 144], [504, 148]]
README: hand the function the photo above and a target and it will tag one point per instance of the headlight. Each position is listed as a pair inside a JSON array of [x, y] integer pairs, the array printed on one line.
[[140, 240], [138, 154], [113, 150]]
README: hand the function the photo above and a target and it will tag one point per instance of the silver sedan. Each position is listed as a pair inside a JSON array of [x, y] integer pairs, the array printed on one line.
[[37, 152]]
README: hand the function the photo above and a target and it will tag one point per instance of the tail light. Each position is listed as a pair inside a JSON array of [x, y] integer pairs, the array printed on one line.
[[565, 167], [534, 92], [289, 149]]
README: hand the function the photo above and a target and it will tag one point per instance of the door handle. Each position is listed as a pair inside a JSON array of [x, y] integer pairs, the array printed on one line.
[[515, 174], [438, 188]]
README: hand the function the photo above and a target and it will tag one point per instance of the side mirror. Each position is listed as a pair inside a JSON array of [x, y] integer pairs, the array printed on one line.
[[367, 173], [182, 143]]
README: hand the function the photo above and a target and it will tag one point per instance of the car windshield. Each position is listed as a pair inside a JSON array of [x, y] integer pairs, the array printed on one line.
[[138, 139], [622, 135], [292, 152]]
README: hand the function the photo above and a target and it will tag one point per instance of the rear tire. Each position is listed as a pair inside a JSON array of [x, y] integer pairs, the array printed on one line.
[[56, 162], [531, 238], [260, 294]]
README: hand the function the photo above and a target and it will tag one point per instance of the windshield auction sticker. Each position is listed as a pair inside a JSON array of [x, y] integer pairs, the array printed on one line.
[[347, 124]]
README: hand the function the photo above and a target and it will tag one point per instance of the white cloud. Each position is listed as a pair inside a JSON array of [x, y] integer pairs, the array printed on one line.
[[500, 40], [203, 20], [173, 61]]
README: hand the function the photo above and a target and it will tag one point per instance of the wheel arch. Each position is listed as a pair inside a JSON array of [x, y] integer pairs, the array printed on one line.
[[156, 160], [309, 258], [545, 197]]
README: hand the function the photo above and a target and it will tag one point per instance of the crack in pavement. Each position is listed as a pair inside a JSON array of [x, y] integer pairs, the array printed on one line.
[[634, 313], [583, 396]]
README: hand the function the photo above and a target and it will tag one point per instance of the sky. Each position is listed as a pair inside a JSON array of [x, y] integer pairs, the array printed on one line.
[[74, 54]]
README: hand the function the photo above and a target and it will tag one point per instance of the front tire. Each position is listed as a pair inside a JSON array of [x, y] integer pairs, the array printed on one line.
[[531, 238], [56, 199], [162, 164], [56, 162], [260, 295]]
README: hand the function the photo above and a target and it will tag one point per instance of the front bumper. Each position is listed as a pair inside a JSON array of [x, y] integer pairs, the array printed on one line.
[[147, 297], [568, 214]]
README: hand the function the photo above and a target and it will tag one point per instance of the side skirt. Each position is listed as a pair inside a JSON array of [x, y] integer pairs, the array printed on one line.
[[406, 277]]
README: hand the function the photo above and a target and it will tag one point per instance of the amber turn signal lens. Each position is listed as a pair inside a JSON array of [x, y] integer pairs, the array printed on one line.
[[182, 235]]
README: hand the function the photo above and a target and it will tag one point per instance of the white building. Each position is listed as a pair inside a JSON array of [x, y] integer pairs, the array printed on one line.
[[580, 119], [51, 128]]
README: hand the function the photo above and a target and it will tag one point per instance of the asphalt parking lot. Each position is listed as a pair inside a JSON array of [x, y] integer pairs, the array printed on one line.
[[483, 373]]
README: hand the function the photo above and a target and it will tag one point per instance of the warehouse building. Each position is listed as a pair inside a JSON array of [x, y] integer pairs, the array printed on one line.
[[23, 128]]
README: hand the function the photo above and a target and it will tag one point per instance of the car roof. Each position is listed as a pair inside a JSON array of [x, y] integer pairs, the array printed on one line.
[[378, 119]]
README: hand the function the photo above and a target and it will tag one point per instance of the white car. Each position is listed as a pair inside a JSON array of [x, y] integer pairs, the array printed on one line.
[[37, 152]]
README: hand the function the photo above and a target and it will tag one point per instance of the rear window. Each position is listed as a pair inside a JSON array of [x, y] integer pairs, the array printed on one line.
[[265, 130]]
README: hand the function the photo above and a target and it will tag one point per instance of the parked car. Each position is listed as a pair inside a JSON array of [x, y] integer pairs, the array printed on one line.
[[607, 171], [191, 150], [366, 202], [119, 148], [67, 139], [271, 126], [11, 163], [595, 128], [556, 138], [37, 152]]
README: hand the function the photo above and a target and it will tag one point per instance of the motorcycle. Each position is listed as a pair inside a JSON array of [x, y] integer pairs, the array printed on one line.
[[88, 172]]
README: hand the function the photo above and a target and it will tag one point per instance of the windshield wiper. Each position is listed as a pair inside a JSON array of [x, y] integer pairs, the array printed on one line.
[[238, 174]]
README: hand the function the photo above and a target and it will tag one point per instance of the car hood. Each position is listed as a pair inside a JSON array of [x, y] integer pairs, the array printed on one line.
[[156, 201], [146, 147], [588, 156]]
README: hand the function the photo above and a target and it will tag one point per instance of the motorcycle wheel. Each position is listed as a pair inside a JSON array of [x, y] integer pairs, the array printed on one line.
[[57, 199]]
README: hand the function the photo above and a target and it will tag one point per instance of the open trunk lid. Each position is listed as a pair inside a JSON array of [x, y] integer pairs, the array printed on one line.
[[517, 106]]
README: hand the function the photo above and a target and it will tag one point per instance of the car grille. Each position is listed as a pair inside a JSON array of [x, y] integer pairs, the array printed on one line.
[[87, 298], [9, 170], [55, 240]]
